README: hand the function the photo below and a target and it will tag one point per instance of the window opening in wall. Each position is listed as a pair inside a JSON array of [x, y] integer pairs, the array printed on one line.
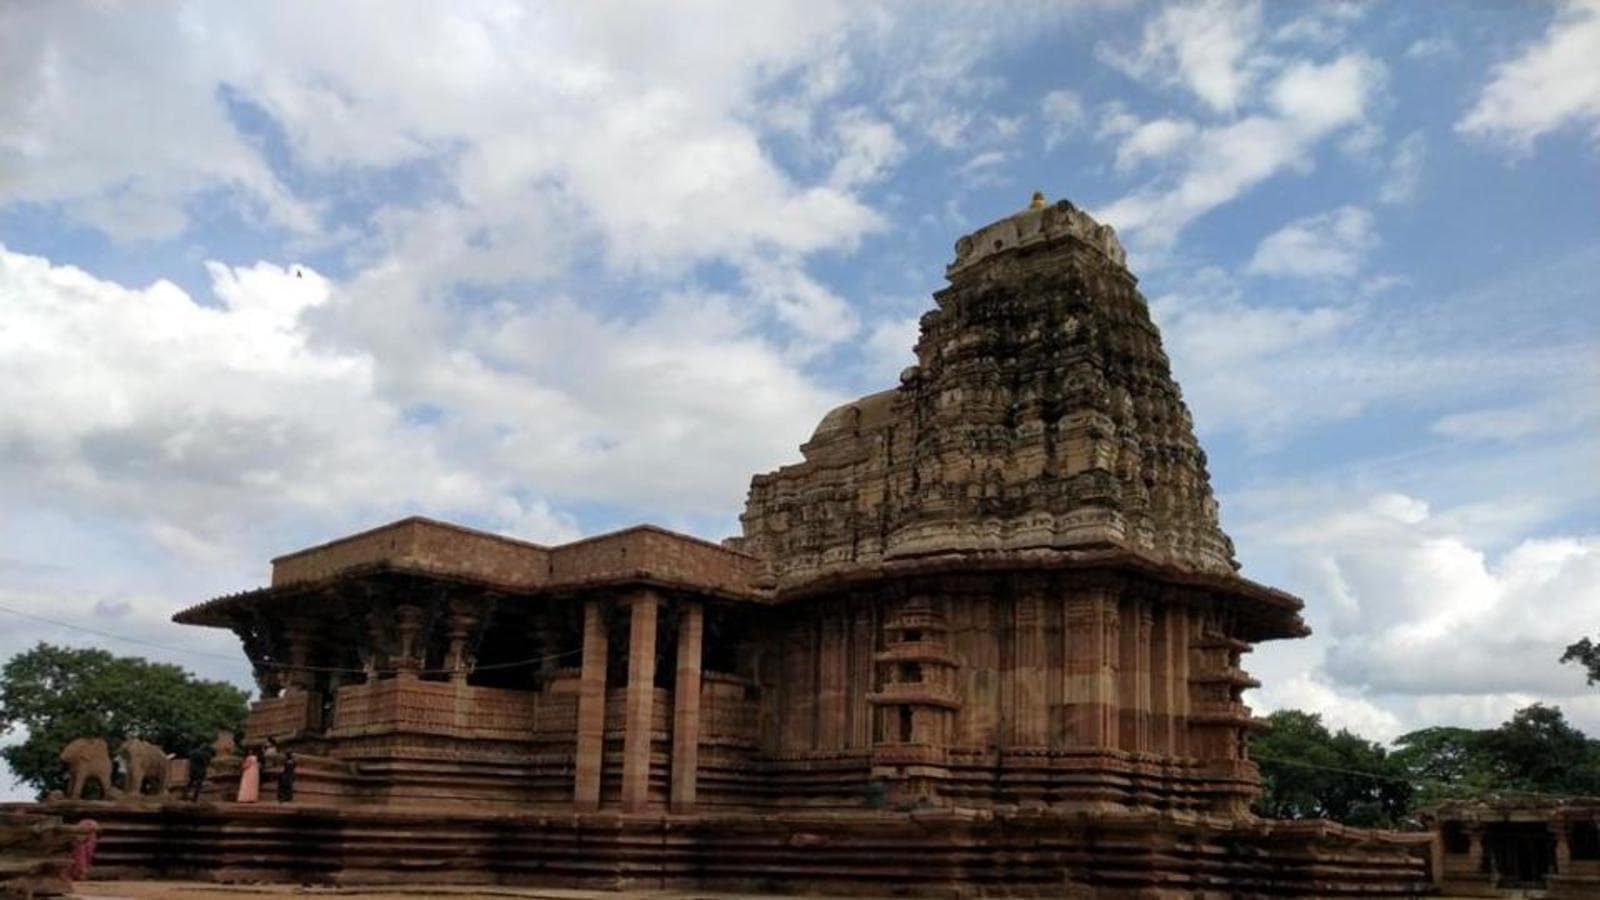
[[1456, 840], [1585, 840], [913, 635], [910, 673], [905, 724]]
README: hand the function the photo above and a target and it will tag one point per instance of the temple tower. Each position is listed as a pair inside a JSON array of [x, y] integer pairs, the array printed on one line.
[[1035, 486]]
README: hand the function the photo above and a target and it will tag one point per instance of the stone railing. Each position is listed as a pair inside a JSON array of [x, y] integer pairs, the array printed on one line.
[[279, 717], [617, 707], [407, 704], [728, 712]]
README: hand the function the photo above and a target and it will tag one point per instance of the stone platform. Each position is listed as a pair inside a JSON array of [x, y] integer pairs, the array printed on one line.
[[938, 853]]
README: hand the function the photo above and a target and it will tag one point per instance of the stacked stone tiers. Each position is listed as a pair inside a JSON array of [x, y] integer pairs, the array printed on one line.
[[1041, 416], [1149, 856]]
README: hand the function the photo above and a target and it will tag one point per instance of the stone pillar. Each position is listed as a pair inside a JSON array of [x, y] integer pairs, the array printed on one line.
[[686, 707], [863, 646], [831, 673], [1477, 851], [1562, 829], [460, 627], [1179, 615], [372, 658], [1029, 715], [1133, 675], [1091, 693], [408, 624], [544, 639], [1161, 681], [298, 638], [638, 710], [588, 756]]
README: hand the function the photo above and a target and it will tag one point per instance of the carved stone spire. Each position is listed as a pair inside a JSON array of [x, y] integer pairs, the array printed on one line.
[[1041, 417]]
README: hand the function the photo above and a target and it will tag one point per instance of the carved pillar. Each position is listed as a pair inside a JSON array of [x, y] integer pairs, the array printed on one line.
[[686, 707], [1562, 829], [863, 644], [1178, 615], [639, 705], [372, 657], [1029, 717], [589, 752], [408, 625], [544, 638], [831, 662], [1090, 689], [298, 638], [1134, 675], [459, 628]]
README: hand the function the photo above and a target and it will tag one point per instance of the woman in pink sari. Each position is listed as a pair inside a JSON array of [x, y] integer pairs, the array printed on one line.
[[250, 778], [83, 849]]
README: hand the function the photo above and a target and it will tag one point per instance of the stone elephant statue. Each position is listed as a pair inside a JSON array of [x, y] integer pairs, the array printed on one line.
[[142, 761], [86, 759]]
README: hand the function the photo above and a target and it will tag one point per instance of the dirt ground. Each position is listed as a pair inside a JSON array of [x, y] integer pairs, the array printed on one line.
[[189, 890]]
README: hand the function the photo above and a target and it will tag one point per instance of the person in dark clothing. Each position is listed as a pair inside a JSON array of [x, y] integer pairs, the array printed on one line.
[[286, 779], [199, 762]]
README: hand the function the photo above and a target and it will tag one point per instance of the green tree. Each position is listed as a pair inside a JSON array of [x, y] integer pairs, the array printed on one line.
[[1308, 771], [1444, 763], [56, 694], [1537, 750], [1585, 653]]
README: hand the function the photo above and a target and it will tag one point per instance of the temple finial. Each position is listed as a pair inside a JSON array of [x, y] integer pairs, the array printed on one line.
[[1038, 200]]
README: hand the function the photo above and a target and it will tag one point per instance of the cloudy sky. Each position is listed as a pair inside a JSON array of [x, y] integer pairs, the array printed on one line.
[[271, 273]]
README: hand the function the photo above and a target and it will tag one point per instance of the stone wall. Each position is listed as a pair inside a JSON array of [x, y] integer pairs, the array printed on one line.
[[653, 553], [1065, 689], [422, 544]]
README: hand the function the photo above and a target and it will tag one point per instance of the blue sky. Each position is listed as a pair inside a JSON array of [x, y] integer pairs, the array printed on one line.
[[273, 273]]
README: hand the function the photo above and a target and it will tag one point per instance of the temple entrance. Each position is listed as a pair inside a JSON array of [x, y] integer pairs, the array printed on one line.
[[1519, 854]]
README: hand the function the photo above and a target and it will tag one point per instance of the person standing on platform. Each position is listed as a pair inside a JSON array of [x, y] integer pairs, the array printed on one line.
[[199, 762], [286, 779], [250, 777]]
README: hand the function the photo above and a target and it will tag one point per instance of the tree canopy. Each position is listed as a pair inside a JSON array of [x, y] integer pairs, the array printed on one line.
[[57, 694], [1309, 771], [1585, 653]]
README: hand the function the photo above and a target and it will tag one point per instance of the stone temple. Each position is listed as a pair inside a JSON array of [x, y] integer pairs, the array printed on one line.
[[985, 637]]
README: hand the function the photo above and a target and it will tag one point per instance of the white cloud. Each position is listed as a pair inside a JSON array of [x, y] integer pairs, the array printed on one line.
[[1153, 140], [799, 301], [868, 148], [1420, 615], [1405, 170], [1268, 367], [1200, 46], [1305, 690], [1552, 84], [1437, 46], [1329, 245], [1565, 411], [193, 424], [889, 345], [1413, 589], [1061, 111], [102, 124], [1307, 102]]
